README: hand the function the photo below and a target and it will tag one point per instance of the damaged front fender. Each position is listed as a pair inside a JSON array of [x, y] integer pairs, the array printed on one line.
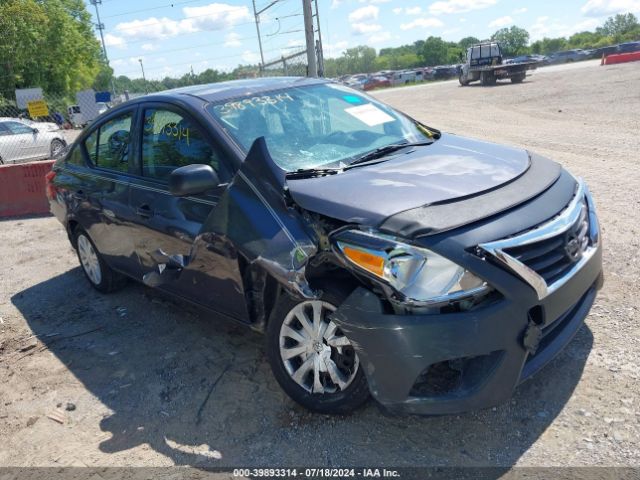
[[253, 215]]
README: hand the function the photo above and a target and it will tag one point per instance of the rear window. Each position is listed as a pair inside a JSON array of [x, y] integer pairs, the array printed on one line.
[[108, 145]]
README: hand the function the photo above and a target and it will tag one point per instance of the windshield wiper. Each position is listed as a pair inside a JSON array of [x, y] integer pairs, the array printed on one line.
[[311, 172], [386, 150]]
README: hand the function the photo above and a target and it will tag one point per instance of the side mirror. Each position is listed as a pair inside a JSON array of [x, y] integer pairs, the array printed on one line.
[[192, 180], [35, 130]]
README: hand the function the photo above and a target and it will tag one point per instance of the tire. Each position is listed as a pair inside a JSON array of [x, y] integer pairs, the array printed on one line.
[[344, 363], [1, 161], [518, 79], [488, 79], [462, 82], [95, 269], [56, 147]]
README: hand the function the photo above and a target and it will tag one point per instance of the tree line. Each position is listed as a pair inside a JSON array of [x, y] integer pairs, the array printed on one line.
[[49, 44]]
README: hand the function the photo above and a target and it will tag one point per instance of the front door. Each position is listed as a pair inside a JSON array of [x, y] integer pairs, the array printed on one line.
[[168, 226], [23, 141]]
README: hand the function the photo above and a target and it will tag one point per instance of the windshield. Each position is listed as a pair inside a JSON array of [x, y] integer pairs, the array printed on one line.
[[315, 126]]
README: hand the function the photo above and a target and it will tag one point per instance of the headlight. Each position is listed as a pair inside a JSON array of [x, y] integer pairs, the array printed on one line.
[[418, 274]]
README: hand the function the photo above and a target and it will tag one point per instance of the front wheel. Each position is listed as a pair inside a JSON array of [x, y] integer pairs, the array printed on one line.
[[518, 79], [462, 81], [56, 147], [311, 358]]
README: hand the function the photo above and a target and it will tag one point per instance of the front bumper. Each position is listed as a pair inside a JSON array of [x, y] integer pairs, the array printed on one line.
[[479, 356]]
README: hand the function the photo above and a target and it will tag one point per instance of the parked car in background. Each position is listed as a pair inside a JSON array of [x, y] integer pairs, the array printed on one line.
[[402, 77], [22, 140], [599, 52], [526, 58], [445, 72], [372, 83], [629, 47], [567, 56]]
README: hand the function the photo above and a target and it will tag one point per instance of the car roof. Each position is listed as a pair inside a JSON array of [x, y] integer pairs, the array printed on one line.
[[214, 92], [11, 119]]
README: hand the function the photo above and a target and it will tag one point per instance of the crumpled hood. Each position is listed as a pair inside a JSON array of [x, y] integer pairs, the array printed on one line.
[[451, 168]]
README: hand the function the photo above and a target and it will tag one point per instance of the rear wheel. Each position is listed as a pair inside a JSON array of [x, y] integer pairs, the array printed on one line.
[[488, 79], [100, 275], [311, 358]]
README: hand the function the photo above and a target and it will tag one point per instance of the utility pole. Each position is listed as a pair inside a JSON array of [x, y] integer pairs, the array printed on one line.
[[146, 90], [257, 17], [312, 66], [100, 27], [319, 44]]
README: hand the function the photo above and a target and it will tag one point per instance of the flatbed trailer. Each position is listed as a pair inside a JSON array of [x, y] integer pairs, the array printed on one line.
[[484, 63]]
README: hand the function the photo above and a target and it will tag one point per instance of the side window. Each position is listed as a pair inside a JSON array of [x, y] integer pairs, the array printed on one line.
[[4, 131], [16, 128], [170, 141], [108, 146], [75, 156]]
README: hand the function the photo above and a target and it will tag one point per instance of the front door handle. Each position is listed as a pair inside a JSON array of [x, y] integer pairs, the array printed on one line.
[[144, 211]]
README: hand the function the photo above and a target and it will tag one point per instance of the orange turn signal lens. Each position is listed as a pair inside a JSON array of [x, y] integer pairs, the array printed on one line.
[[367, 260]]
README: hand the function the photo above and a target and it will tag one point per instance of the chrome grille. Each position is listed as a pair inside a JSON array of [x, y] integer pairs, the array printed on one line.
[[553, 257], [547, 256]]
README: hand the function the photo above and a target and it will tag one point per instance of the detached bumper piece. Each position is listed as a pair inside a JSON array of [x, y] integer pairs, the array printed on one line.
[[455, 362]]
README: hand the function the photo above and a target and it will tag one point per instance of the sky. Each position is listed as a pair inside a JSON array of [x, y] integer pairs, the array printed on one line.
[[174, 36]]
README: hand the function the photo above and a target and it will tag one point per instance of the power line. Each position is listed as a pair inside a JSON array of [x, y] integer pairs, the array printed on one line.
[[161, 7], [192, 61], [209, 44]]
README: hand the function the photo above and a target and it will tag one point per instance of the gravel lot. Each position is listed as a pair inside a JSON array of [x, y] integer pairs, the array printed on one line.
[[142, 380]]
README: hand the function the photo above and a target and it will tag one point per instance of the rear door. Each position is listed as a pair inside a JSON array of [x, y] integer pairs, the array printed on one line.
[[170, 226], [99, 191]]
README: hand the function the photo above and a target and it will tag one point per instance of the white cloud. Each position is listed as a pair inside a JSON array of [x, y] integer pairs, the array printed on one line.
[[375, 1], [250, 57], [364, 28], [459, 6], [601, 8], [111, 40], [215, 16], [335, 3], [544, 27], [332, 50], [148, 47], [501, 22], [232, 40], [422, 23], [369, 12], [397, 10], [380, 37], [413, 10], [519, 11]]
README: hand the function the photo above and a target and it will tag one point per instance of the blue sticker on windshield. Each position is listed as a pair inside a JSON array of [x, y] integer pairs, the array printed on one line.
[[352, 99]]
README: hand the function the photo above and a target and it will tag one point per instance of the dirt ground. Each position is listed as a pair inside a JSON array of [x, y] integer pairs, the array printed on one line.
[[135, 379]]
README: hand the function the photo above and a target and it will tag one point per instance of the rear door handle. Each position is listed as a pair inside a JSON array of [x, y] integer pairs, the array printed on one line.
[[144, 211]]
